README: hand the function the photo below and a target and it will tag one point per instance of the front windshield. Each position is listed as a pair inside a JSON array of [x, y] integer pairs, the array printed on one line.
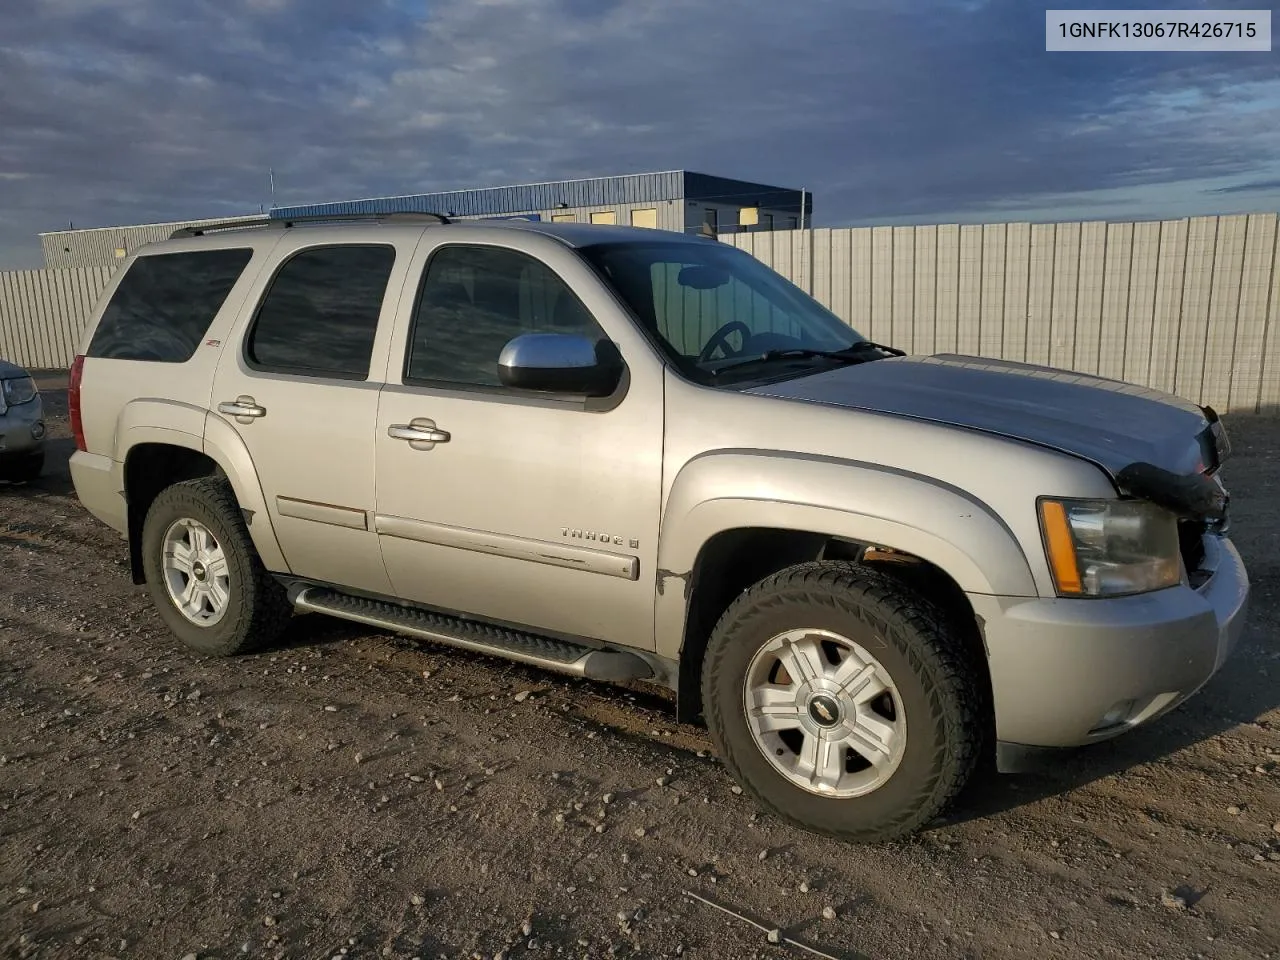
[[710, 306]]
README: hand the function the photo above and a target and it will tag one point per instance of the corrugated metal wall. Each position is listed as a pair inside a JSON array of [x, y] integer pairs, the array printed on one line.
[[65, 249], [43, 313], [744, 193], [1189, 306], [640, 189], [670, 213]]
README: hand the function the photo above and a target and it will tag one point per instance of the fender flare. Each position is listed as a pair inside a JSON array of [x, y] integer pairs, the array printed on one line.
[[151, 420], [227, 449], [739, 489], [193, 428]]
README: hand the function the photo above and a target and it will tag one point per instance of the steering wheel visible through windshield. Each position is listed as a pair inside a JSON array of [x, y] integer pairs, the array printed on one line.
[[710, 306]]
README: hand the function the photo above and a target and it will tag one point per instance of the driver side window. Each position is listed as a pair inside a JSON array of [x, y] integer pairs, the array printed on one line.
[[474, 300], [688, 318]]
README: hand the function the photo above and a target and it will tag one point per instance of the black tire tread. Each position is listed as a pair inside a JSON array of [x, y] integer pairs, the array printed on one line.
[[884, 604], [265, 609]]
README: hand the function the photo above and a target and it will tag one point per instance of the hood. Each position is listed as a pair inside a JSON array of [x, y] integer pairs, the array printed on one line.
[[1127, 430]]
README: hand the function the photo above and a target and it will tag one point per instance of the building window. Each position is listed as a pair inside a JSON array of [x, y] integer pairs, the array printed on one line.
[[320, 315], [711, 219], [647, 217], [604, 216], [791, 223], [748, 216], [767, 221], [564, 217]]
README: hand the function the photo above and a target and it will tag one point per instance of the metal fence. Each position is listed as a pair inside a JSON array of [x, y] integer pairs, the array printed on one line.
[[43, 313], [1190, 306]]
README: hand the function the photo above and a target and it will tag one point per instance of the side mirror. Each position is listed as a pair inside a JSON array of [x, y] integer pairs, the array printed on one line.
[[560, 363]]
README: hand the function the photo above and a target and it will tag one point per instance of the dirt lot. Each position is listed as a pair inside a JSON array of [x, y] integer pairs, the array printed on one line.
[[350, 793]]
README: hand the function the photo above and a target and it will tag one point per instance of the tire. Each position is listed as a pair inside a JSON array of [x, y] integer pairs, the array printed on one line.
[[927, 725], [236, 605], [26, 470]]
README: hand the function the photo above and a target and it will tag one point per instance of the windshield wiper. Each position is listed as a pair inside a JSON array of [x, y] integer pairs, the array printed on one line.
[[854, 353]]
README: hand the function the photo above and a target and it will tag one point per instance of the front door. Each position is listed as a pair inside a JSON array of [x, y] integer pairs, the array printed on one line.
[[522, 508], [302, 393]]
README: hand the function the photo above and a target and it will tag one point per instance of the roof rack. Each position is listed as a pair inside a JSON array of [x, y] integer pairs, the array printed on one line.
[[284, 223]]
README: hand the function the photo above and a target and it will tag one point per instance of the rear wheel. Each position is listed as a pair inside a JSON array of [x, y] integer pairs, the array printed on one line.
[[842, 702], [204, 575]]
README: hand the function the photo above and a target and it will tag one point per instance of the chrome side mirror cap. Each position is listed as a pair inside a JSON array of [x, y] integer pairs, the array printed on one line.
[[561, 363]]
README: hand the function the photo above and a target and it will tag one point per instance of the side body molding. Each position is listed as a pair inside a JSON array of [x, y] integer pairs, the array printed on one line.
[[734, 489]]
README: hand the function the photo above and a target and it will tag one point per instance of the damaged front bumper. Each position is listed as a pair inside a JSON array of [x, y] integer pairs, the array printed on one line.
[[1068, 672]]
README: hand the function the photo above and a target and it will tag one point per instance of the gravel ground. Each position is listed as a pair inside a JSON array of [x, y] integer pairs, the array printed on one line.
[[353, 794]]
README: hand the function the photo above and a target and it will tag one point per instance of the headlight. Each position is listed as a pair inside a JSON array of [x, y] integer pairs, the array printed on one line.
[[19, 390], [1108, 548]]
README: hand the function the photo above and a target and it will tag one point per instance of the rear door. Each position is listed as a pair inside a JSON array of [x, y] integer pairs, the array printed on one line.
[[299, 384]]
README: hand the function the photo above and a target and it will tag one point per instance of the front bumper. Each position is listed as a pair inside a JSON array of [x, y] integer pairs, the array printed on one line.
[[1070, 672], [22, 429]]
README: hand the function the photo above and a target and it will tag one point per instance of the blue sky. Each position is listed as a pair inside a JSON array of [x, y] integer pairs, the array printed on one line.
[[125, 111]]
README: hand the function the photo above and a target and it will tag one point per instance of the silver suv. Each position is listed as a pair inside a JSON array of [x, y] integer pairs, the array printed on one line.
[[634, 455]]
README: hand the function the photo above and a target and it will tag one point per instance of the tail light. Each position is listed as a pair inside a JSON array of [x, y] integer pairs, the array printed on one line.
[[73, 401]]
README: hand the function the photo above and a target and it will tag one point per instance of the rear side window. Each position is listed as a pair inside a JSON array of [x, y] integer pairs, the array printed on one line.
[[320, 315], [165, 303]]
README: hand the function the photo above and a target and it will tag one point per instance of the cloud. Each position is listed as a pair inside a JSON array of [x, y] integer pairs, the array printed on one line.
[[1253, 186], [119, 111]]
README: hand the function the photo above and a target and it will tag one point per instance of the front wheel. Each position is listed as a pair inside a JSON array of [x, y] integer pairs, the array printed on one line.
[[842, 702]]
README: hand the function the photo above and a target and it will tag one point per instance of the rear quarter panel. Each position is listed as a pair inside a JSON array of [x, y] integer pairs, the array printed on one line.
[[124, 403], [109, 386]]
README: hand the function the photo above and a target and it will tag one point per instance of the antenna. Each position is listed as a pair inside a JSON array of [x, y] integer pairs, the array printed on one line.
[[272, 174]]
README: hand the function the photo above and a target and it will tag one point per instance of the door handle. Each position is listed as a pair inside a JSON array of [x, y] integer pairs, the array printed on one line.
[[242, 407], [421, 433]]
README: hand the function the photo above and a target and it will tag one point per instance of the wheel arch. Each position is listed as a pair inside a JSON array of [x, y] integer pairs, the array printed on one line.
[[155, 457], [719, 539]]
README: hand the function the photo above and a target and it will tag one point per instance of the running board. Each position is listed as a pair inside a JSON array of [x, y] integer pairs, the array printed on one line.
[[548, 654]]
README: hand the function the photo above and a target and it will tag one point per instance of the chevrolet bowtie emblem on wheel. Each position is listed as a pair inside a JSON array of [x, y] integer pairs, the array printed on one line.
[[823, 710]]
